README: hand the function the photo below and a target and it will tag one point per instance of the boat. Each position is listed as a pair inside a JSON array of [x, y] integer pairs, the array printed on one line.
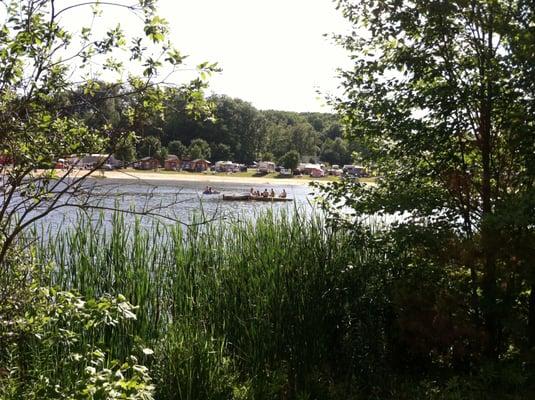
[[248, 197], [208, 192]]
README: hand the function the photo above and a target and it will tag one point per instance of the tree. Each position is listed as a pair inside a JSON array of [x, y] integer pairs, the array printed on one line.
[[199, 148], [54, 103], [441, 96], [290, 160], [267, 156], [125, 151], [51, 94], [221, 152], [304, 139], [149, 146], [240, 124], [176, 148], [335, 152]]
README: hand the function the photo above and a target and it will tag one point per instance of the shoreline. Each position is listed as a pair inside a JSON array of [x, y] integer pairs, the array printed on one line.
[[198, 177], [207, 179]]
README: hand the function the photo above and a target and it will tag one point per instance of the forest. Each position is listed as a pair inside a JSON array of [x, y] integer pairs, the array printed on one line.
[[226, 129]]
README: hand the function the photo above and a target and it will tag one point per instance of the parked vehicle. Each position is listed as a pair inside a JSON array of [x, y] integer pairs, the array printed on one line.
[[266, 167], [285, 172]]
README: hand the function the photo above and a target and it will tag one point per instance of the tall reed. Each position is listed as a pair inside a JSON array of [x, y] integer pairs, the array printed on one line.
[[244, 308]]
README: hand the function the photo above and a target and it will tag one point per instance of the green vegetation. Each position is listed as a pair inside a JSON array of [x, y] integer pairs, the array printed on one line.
[[282, 306], [50, 341], [438, 303], [45, 116], [177, 148], [440, 96], [232, 311], [199, 148], [290, 160], [232, 129], [150, 146]]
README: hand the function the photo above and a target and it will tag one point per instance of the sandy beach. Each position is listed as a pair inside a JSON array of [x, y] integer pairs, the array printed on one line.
[[204, 178]]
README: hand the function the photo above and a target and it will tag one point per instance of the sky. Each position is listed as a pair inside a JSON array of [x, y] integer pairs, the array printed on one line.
[[272, 52]]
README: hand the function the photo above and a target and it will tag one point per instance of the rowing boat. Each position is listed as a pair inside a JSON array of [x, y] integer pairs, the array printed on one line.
[[248, 197]]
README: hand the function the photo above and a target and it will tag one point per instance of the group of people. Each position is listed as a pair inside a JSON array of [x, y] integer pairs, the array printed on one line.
[[209, 190], [265, 193]]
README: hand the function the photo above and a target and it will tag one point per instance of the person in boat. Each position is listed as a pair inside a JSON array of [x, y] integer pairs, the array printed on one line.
[[209, 190], [265, 193], [283, 194], [252, 192], [272, 193]]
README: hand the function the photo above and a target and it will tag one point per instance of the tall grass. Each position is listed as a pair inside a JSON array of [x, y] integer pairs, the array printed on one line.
[[236, 309]]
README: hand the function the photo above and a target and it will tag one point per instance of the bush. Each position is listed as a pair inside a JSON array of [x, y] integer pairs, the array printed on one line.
[[52, 343]]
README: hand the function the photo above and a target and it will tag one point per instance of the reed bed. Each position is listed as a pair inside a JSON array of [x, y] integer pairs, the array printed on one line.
[[249, 308]]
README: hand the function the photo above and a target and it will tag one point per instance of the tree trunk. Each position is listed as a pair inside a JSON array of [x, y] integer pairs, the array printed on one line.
[[487, 236], [488, 240], [531, 318]]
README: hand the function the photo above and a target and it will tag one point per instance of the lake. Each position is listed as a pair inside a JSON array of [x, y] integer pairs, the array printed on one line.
[[177, 201]]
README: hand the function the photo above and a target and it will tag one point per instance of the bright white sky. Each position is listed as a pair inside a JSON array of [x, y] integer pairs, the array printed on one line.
[[272, 52]]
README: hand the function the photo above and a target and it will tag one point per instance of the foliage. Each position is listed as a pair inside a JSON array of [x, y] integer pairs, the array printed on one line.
[[187, 348], [249, 133], [221, 152], [335, 152], [199, 148], [285, 307], [125, 151], [151, 146], [239, 125], [290, 160], [439, 96], [52, 343], [267, 156], [176, 148], [224, 314], [230, 126], [54, 103]]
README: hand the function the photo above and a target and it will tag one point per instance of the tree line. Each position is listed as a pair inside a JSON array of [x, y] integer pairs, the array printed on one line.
[[226, 129]]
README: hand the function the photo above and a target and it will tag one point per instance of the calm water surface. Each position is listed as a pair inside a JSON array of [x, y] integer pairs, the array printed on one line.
[[182, 201]]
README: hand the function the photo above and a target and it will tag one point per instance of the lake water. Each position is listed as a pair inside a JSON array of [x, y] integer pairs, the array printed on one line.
[[178, 201]]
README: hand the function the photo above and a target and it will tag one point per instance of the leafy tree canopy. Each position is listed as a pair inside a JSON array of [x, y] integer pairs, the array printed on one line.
[[199, 148], [176, 148], [441, 97], [221, 152], [55, 103], [290, 160]]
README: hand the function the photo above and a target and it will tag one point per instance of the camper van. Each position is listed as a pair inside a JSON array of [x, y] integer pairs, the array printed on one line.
[[265, 167]]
